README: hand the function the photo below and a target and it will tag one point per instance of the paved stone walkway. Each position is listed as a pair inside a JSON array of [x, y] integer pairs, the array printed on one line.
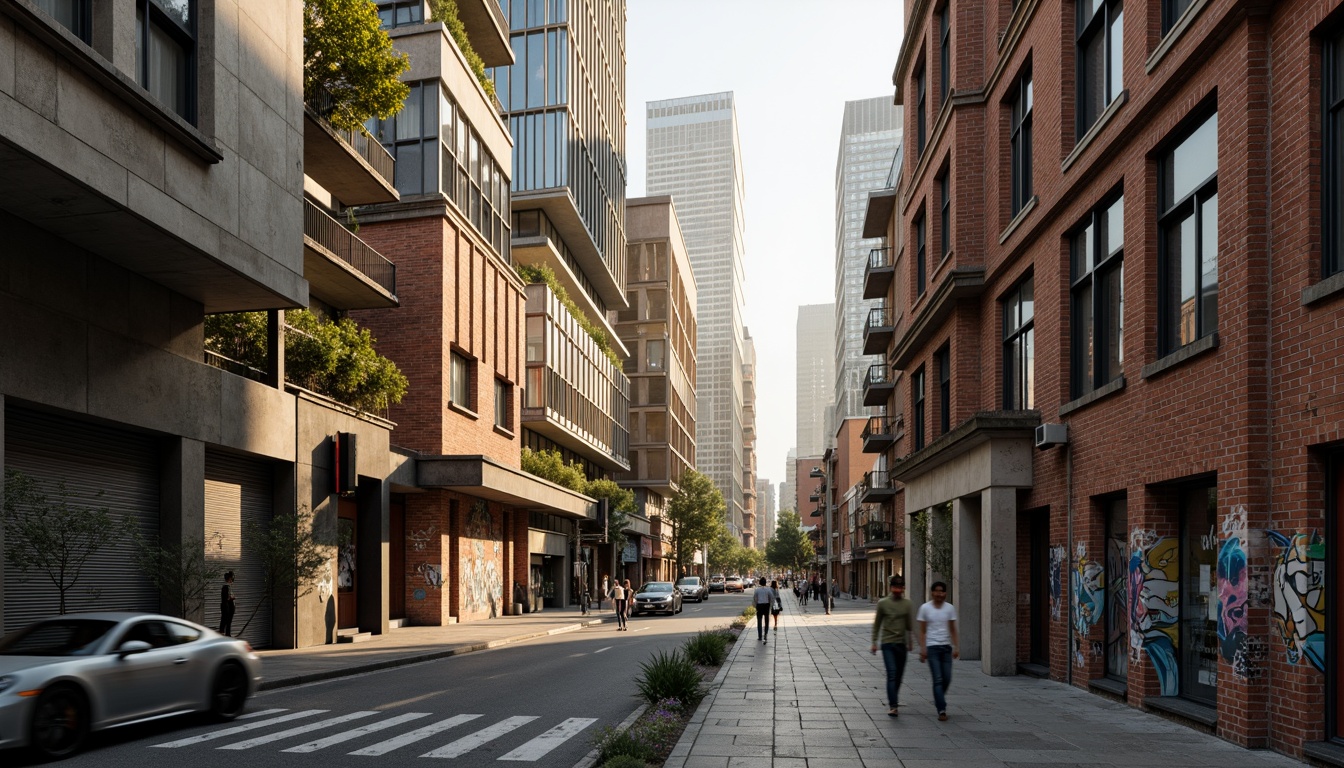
[[814, 697]]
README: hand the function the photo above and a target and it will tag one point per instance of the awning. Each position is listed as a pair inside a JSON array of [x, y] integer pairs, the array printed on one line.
[[485, 478]]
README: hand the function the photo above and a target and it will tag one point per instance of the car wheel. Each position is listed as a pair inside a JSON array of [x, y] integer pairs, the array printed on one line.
[[60, 723], [229, 692]]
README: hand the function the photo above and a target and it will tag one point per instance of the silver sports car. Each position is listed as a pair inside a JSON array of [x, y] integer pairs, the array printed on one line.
[[64, 677]]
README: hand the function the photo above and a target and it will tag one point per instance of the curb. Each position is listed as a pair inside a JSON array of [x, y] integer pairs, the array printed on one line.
[[414, 658]]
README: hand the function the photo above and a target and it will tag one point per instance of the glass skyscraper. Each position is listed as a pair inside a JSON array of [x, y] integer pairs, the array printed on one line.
[[694, 155]]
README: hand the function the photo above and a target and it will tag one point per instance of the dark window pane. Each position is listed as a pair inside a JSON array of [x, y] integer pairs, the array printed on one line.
[[1117, 55], [1208, 282], [1114, 297], [1193, 161], [1092, 79], [536, 72], [409, 170], [518, 86]]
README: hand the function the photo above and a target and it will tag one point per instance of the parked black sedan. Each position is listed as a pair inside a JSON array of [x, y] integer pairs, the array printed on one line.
[[657, 597]]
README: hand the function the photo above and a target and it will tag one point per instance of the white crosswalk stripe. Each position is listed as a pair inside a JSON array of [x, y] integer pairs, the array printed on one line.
[[261, 713], [240, 729], [383, 747], [310, 727], [363, 730], [538, 747], [474, 740]]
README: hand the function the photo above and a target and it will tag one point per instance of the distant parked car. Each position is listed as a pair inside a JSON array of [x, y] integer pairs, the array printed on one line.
[[657, 597], [64, 677], [716, 583], [693, 588], [734, 584]]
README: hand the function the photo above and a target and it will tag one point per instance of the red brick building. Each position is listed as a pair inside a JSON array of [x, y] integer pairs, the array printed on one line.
[[1120, 223]]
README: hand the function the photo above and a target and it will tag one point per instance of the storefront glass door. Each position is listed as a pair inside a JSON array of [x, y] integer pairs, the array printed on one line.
[[1117, 590], [1335, 522], [1199, 594]]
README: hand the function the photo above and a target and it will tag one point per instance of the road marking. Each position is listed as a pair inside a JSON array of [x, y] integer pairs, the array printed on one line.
[[383, 747], [474, 740], [577, 655], [251, 715], [339, 738], [319, 725], [240, 729], [641, 629], [538, 747], [608, 648]]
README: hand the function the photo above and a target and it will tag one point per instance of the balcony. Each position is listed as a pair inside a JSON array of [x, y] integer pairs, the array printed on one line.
[[878, 274], [879, 331], [878, 385], [878, 534], [341, 269], [881, 433], [875, 487], [350, 165]]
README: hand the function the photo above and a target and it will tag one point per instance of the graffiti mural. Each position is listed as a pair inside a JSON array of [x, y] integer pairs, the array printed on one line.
[[1154, 604], [432, 574], [1089, 600], [1299, 595], [1117, 608], [481, 582], [1056, 581], [1232, 590], [420, 539]]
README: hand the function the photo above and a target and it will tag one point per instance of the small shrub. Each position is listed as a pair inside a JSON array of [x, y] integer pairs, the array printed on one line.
[[749, 613], [670, 676], [708, 649], [613, 744], [625, 761]]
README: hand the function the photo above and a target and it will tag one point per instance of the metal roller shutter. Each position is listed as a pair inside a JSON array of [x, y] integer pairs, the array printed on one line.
[[237, 490], [100, 467]]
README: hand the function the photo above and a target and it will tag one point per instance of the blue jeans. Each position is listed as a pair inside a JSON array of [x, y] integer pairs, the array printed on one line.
[[893, 655], [940, 667]]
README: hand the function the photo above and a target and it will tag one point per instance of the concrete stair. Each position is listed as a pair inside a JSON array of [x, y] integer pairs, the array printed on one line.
[[352, 636]]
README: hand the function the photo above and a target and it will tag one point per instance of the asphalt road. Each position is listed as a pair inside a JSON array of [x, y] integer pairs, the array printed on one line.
[[540, 702]]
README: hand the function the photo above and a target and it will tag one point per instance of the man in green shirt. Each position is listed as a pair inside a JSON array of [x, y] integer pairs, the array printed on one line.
[[895, 623]]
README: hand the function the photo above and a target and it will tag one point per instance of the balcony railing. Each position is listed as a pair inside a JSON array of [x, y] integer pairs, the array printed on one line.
[[342, 243], [322, 103], [878, 275], [878, 331], [879, 318], [879, 258], [880, 432], [878, 385], [875, 486]]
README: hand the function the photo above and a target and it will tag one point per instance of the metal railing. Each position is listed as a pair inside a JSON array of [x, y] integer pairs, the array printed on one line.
[[323, 104], [879, 258], [879, 375], [879, 426], [329, 233], [876, 480], [880, 317]]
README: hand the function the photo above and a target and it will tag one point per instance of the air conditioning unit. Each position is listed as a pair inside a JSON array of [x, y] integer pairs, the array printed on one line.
[[1050, 435]]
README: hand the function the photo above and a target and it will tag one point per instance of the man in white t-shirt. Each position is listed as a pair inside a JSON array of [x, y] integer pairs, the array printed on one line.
[[938, 642]]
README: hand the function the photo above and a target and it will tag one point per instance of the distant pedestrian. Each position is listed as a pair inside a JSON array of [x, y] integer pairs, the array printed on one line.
[[606, 587], [226, 605], [893, 631], [618, 598], [777, 606], [629, 600], [762, 600], [938, 642]]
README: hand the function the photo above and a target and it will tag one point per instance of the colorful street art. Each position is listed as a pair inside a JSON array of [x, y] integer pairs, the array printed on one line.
[[1233, 578], [432, 574], [1299, 595], [1154, 604], [1117, 608], [482, 583], [1089, 600], [1056, 581]]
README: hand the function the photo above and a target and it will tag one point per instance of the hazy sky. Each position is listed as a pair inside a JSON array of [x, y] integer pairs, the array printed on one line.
[[792, 65]]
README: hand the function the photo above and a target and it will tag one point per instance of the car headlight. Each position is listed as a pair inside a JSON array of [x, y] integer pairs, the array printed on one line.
[[7, 682]]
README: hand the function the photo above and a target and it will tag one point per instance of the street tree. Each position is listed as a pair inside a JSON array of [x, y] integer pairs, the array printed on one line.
[[725, 553], [350, 69], [291, 556], [182, 574], [790, 548], [695, 513], [55, 536], [620, 506]]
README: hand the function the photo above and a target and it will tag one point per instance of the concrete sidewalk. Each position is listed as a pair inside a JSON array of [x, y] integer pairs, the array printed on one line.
[[409, 645], [814, 697]]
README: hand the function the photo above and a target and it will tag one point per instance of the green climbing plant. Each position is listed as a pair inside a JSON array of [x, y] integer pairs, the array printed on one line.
[[534, 274]]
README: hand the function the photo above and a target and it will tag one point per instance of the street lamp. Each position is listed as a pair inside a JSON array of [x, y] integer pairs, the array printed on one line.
[[825, 479]]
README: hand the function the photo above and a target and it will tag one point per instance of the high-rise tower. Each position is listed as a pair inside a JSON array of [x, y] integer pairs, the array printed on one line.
[[694, 155], [869, 135], [814, 377]]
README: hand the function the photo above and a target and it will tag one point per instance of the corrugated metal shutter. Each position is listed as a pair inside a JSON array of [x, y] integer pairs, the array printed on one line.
[[88, 459], [237, 490]]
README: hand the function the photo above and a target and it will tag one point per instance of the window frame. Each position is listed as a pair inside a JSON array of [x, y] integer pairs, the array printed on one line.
[[460, 362], [1107, 265], [503, 403], [1172, 11], [921, 110], [1100, 23], [1019, 138], [944, 359], [1332, 153], [1171, 214], [945, 211], [83, 22], [944, 52], [1019, 333], [917, 407], [921, 246], [151, 16]]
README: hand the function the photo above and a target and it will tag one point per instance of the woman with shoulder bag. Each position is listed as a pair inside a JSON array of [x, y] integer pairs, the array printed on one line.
[[618, 598], [777, 605]]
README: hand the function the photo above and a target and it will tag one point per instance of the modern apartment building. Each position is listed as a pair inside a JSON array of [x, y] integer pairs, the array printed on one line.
[[787, 493], [815, 377], [481, 536], [1145, 284], [767, 511], [693, 154], [138, 201], [749, 533], [869, 135], [659, 329]]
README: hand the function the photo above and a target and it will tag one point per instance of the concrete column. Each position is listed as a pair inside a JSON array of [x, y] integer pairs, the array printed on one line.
[[916, 584], [284, 612], [998, 565], [182, 509], [275, 348], [966, 573]]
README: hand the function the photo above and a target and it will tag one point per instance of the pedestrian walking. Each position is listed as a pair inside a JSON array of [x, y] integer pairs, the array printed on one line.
[[606, 588], [619, 599], [629, 601], [777, 606], [938, 642], [893, 631], [762, 600], [226, 606]]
